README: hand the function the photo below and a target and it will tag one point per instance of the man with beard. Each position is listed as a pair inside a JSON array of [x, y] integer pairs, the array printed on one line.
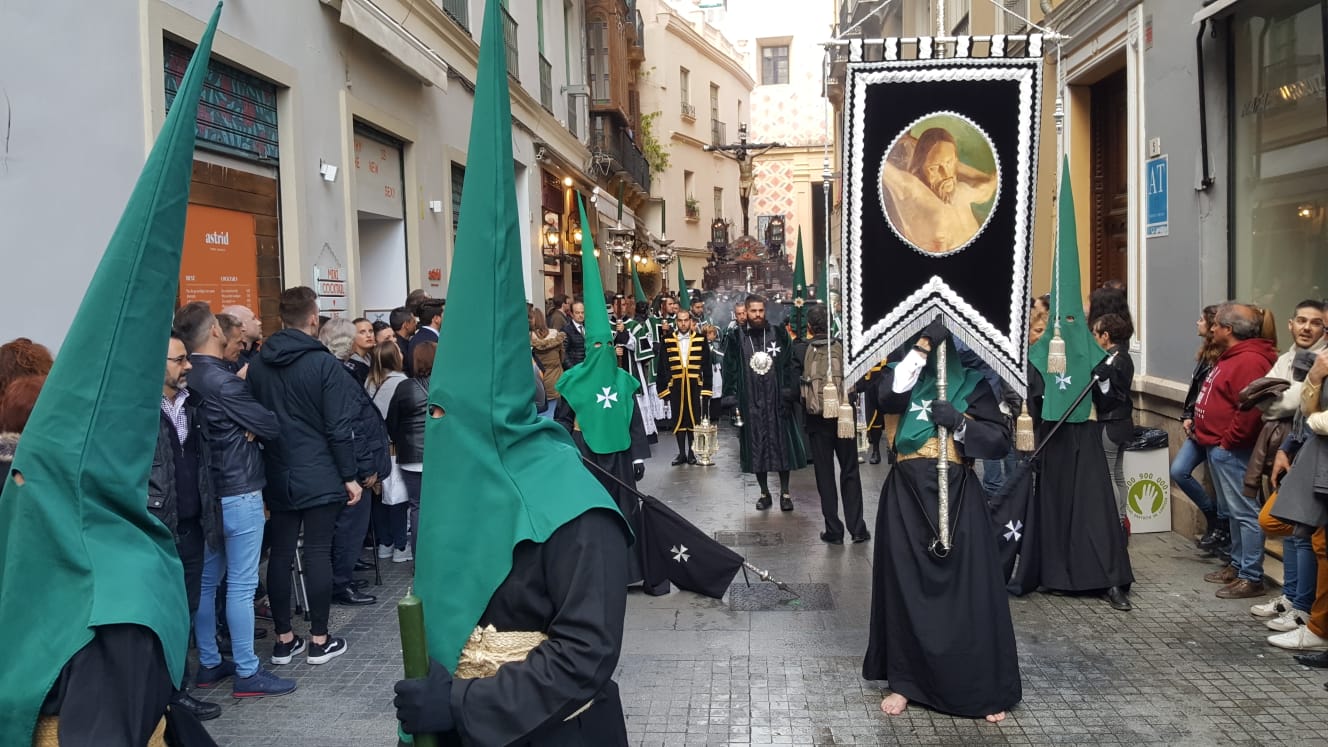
[[931, 200], [940, 631], [684, 382], [759, 380]]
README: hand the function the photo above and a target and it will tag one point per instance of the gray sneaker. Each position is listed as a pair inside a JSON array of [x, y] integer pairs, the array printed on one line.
[[262, 684]]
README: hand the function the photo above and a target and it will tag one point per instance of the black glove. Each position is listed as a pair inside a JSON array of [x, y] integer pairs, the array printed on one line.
[[936, 333], [424, 706], [944, 415], [638, 471], [728, 402], [790, 394], [1103, 370]]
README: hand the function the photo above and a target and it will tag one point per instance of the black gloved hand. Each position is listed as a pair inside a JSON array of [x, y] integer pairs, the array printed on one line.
[[728, 402], [1103, 370], [790, 394], [944, 415], [936, 333], [638, 471], [424, 706]]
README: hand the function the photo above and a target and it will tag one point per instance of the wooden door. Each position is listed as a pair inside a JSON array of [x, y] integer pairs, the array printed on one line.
[[1111, 199]]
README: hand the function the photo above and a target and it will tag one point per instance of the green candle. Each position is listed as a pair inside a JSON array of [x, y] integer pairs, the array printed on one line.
[[414, 649]]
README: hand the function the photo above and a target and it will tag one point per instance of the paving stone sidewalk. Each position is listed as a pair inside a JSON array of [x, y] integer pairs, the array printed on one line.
[[1184, 668]]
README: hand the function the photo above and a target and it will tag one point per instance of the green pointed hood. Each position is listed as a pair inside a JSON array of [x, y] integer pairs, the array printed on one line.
[[684, 298], [80, 549], [798, 317], [1067, 310], [522, 475], [600, 392], [640, 293]]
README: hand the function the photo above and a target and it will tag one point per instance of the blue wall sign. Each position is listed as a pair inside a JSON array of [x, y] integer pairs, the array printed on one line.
[[1156, 186]]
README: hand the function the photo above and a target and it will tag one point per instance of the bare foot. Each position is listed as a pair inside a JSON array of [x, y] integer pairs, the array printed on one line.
[[995, 718], [894, 704]]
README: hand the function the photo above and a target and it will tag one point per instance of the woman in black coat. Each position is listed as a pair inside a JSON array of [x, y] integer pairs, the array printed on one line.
[[405, 426]]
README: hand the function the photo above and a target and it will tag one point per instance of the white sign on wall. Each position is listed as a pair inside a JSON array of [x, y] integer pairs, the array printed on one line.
[[378, 180]]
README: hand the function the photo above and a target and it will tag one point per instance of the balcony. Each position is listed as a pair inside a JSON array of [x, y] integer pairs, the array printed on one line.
[[688, 112], [611, 140], [513, 45], [546, 84], [718, 133], [637, 50]]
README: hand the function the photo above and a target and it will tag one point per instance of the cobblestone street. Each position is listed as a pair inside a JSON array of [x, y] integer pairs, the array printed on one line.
[[1182, 668]]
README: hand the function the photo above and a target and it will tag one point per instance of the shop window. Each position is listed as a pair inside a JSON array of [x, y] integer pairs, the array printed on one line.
[[1279, 165]]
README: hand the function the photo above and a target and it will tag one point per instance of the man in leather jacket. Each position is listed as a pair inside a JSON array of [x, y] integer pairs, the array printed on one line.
[[180, 493], [234, 422]]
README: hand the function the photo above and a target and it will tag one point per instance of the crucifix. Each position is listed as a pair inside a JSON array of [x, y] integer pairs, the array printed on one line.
[[742, 152]]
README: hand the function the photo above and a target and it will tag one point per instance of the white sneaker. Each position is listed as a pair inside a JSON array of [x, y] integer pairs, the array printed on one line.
[[385, 551], [1271, 608], [1289, 620], [402, 556], [1300, 639]]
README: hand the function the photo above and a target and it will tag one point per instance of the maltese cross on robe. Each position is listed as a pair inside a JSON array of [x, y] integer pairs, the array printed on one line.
[[608, 397], [1063, 381], [773, 349], [922, 408], [1016, 530], [680, 553]]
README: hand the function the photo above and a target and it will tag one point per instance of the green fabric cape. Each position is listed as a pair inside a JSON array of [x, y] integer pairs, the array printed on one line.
[[639, 292], [684, 299], [495, 473], [1081, 350], [915, 426], [798, 316], [80, 548], [600, 392]]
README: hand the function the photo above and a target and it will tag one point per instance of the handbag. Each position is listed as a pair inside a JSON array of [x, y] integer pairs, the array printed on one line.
[[394, 487]]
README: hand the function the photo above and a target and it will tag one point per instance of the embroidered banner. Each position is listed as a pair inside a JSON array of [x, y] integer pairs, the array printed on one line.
[[940, 167]]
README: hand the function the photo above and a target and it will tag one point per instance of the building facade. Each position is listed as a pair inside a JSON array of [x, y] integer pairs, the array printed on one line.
[[695, 87], [331, 149]]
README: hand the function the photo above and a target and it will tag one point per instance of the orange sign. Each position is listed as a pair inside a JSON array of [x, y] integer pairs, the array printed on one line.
[[220, 263]]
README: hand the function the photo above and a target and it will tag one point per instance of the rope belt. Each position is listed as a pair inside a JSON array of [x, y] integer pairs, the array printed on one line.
[[931, 450], [488, 649], [47, 733]]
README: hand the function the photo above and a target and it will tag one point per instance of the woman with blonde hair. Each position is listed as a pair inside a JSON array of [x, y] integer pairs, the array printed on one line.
[[549, 348]]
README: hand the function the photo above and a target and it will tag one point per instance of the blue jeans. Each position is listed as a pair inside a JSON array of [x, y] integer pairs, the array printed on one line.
[[1227, 469], [1300, 572], [1188, 457], [389, 524], [995, 471], [242, 523]]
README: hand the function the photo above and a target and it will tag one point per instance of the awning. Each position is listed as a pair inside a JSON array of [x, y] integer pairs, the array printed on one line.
[[1214, 8], [402, 46]]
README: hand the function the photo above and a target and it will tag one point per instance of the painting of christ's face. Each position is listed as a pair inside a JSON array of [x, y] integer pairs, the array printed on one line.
[[939, 169]]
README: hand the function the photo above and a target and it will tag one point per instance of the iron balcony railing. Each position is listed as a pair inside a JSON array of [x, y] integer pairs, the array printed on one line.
[[640, 42], [688, 110], [611, 139], [510, 37]]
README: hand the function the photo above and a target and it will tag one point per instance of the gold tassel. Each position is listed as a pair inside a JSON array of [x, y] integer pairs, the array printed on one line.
[[1023, 430], [848, 426], [829, 401], [1056, 352]]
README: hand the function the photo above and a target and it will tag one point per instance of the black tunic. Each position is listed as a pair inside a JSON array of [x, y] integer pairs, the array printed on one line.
[[1081, 545], [618, 464], [940, 631], [771, 438], [573, 587]]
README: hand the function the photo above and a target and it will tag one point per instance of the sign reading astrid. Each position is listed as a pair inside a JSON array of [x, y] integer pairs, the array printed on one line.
[[1158, 221], [939, 171], [220, 262]]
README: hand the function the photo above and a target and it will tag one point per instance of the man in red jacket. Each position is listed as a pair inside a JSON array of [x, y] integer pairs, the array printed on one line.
[[1228, 435]]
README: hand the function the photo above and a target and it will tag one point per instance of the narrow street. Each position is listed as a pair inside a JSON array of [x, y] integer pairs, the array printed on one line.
[[1183, 668]]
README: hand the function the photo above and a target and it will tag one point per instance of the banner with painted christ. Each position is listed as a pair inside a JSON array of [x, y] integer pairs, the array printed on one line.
[[940, 160]]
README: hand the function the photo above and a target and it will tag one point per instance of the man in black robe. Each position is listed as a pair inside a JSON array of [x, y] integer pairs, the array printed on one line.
[[759, 380], [941, 633]]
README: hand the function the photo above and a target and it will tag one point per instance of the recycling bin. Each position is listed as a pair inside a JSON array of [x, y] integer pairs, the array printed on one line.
[[1148, 481]]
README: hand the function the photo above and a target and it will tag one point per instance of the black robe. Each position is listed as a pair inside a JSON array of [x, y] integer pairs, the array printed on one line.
[[619, 464], [941, 632], [573, 587], [771, 438], [1080, 541]]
